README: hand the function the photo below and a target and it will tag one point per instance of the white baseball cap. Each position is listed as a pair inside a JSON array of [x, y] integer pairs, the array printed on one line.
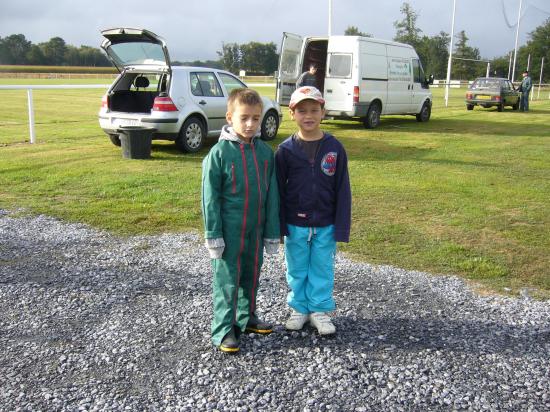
[[304, 93]]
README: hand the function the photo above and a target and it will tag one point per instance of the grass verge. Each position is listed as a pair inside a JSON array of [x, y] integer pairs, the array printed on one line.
[[466, 193]]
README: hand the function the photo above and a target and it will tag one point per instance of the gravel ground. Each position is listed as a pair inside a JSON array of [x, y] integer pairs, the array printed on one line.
[[91, 321]]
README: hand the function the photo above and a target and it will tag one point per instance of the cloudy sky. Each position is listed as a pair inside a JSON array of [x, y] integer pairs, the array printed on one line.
[[195, 29]]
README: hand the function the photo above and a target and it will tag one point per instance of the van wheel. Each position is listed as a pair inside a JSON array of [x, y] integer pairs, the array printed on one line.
[[469, 107], [425, 113], [500, 107], [373, 116], [516, 106], [115, 139], [270, 125], [191, 136]]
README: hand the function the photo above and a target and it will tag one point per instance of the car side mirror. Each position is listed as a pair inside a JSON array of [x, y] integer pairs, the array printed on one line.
[[431, 79]]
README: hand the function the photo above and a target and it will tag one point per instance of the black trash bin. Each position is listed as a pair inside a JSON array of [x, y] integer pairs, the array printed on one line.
[[136, 141]]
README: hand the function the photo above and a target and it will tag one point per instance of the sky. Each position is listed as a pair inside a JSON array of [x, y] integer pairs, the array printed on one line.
[[195, 30]]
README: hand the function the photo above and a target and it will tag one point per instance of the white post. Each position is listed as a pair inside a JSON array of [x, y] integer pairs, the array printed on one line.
[[450, 56], [31, 115], [540, 79], [488, 69], [528, 61], [516, 45], [509, 65], [329, 17]]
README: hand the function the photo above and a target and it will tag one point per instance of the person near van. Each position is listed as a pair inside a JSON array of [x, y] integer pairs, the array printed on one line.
[[240, 205], [315, 211], [525, 89], [308, 78]]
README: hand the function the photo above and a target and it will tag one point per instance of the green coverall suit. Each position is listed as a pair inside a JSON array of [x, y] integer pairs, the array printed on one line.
[[240, 203]]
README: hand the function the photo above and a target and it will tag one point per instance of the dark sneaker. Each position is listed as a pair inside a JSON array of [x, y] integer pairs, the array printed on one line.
[[230, 344], [256, 325]]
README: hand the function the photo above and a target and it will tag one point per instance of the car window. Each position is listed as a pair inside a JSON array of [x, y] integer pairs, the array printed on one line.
[[230, 82], [145, 82], [205, 84], [486, 84], [339, 65]]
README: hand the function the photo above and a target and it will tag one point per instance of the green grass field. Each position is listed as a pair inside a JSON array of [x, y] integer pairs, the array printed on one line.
[[466, 193]]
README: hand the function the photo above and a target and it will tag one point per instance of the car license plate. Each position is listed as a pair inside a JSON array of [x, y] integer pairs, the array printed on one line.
[[483, 97], [126, 122]]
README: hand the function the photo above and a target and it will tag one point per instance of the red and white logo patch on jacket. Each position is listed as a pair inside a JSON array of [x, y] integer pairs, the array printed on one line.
[[328, 164]]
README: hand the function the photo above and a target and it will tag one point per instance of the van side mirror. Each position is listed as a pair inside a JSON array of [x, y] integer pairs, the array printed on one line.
[[431, 79]]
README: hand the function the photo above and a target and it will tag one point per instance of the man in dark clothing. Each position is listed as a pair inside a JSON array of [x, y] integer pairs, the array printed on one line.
[[525, 88], [307, 78]]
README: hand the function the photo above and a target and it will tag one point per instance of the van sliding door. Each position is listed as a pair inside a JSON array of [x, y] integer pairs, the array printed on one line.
[[290, 64]]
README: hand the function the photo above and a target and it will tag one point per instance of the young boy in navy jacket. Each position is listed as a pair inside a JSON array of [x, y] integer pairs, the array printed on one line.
[[315, 210]]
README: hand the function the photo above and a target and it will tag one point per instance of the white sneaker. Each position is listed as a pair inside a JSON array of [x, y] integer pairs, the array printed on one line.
[[322, 322], [296, 320]]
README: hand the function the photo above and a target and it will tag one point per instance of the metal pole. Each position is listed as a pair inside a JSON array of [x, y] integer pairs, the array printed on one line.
[[540, 78], [329, 17], [450, 56], [31, 115], [516, 45], [528, 61], [488, 69], [509, 65]]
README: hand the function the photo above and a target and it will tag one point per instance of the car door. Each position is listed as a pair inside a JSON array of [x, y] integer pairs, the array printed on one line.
[[290, 64], [207, 94], [419, 87], [136, 49]]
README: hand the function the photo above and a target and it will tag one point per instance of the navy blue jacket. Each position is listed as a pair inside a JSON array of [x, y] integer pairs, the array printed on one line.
[[317, 194]]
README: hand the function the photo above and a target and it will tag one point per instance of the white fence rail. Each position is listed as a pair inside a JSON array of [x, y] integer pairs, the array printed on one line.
[[30, 104]]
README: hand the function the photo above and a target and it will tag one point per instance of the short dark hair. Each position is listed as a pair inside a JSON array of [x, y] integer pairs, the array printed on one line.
[[243, 96], [526, 71]]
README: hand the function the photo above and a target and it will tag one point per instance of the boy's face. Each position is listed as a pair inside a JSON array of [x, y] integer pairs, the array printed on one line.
[[308, 115], [245, 120]]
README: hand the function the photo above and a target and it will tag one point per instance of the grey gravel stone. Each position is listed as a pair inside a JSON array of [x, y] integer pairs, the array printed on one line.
[[91, 321]]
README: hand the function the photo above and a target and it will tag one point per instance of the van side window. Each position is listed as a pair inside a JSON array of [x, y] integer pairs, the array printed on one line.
[[339, 65], [418, 73]]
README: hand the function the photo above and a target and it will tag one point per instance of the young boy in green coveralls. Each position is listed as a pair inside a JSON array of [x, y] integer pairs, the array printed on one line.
[[240, 205]]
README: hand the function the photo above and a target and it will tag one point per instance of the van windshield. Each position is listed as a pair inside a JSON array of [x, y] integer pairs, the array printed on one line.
[[339, 65]]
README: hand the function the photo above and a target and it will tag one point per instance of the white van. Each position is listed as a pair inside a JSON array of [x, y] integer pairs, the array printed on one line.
[[360, 77]]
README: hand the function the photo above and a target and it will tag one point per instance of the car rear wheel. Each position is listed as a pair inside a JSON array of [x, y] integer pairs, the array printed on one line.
[[469, 107], [425, 113], [500, 107], [373, 116], [191, 136], [516, 106], [270, 125], [115, 139]]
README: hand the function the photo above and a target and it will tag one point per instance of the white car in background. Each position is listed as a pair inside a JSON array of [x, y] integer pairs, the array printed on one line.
[[183, 104]]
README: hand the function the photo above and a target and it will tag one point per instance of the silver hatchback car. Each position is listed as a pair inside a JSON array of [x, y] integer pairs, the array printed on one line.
[[182, 104]]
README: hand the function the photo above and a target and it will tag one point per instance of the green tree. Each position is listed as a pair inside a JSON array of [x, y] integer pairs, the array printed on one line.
[[466, 69], [407, 32], [230, 57], [14, 49], [354, 31], [35, 55], [538, 46], [259, 58], [54, 51], [434, 54]]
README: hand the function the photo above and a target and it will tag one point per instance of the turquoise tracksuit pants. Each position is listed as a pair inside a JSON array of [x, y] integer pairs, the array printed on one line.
[[309, 255]]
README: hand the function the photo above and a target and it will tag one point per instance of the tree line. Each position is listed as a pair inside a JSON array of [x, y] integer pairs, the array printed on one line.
[[434, 51], [262, 58], [16, 49]]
